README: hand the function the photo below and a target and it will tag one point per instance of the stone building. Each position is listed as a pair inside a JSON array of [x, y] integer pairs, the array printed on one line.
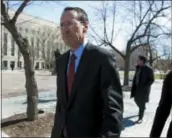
[[42, 35]]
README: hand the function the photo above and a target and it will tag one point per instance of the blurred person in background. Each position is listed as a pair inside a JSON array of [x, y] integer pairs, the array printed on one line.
[[164, 108], [141, 85]]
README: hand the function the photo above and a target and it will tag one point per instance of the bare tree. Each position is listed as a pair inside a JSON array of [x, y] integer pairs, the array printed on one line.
[[45, 44], [24, 47], [153, 55], [144, 16], [163, 65], [51, 46]]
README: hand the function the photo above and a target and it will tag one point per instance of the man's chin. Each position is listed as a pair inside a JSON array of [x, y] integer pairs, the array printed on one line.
[[69, 43]]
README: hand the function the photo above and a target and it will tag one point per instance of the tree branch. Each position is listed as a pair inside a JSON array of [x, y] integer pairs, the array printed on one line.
[[158, 57], [100, 44], [4, 13], [95, 39], [113, 21], [19, 11], [158, 26], [148, 25], [104, 17], [138, 46], [155, 16], [115, 49], [150, 35], [100, 39], [117, 33], [137, 28]]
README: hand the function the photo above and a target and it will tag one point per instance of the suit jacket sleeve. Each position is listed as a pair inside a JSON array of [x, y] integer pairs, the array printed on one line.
[[163, 109], [133, 86], [53, 133], [112, 99], [150, 77]]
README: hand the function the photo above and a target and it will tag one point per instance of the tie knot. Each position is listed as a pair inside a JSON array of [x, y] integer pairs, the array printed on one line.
[[73, 56]]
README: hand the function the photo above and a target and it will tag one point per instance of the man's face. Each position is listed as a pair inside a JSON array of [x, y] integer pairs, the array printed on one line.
[[72, 30], [139, 62]]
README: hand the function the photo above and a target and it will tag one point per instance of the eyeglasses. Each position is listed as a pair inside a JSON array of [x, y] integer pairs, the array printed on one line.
[[69, 23]]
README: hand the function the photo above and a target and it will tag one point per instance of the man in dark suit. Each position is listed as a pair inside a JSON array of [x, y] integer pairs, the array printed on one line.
[[90, 100], [141, 85], [163, 110]]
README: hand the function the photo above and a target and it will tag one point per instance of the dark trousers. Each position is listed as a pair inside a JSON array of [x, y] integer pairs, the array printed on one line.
[[141, 105]]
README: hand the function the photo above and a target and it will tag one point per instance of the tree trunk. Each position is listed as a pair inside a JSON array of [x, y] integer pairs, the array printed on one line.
[[18, 59], [31, 85], [126, 69], [151, 63], [31, 88], [150, 57], [33, 60]]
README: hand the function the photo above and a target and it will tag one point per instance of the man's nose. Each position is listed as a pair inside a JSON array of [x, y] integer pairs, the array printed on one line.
[[66, 30]]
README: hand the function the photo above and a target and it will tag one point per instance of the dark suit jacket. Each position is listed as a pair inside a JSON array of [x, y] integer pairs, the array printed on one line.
[[95, 105], [163, 109], [141, 92]]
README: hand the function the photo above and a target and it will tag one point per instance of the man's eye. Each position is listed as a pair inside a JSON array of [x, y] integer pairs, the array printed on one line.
[[66, 24]]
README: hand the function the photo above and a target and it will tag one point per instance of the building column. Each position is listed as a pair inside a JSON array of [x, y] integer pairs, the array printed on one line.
[[8, 65], [8, 44]]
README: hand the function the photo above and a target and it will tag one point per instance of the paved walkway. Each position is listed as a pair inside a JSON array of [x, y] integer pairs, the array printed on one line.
[[131, 110], [10, 88], [15, 105], [47, 101]]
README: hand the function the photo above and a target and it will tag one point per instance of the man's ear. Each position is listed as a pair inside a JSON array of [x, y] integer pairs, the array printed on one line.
[[85, 27]]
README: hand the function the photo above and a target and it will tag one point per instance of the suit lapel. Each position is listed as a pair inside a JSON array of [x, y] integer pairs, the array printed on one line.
[[64, 79], [82, 68]]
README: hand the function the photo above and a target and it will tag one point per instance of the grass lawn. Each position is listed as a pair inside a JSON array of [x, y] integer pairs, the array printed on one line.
[[159, 76], [131, 74]]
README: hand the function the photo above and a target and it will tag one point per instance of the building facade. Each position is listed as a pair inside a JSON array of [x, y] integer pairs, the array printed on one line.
[[43, 37]]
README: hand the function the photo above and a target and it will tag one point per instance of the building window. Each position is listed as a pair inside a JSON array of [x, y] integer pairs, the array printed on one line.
[[32, 42], [5, 64], [50, 47], [5, 44], [18, 54], [37, 66], [43, 65], [33, 32], [43, 49], [26, 30], [12, 47], [27, 39], [12, 65], [38, 48], [19, 64], [38, 32]]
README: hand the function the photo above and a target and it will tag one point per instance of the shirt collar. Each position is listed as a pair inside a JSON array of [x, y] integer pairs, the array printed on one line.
[[79, 50]]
